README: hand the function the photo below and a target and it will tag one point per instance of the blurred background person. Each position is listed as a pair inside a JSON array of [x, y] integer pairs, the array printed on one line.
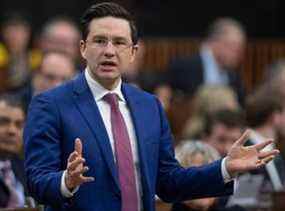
[[264, 111], [56, 68], [17, 58], [61, 33], [222, 128], [220, 55], [207, 100], [11, 163], [274, 78], [195, 154]]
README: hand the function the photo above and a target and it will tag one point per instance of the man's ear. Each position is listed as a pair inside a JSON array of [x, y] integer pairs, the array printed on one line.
[[83, 48], [134, 52]]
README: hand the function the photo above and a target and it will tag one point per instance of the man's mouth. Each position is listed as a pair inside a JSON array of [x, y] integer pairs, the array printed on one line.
[[107, 66], [108, 63]]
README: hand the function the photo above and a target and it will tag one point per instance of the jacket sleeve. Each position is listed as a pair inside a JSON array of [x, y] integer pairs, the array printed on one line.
[[42, 151]]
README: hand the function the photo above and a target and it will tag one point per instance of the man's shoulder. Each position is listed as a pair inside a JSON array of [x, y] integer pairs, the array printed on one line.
[[137, 92]]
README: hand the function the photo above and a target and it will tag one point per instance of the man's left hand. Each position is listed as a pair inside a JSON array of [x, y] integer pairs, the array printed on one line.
[[245, 158]]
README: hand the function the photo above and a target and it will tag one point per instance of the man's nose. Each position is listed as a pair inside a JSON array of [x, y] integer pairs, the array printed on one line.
[[12, 129], [110, 49]]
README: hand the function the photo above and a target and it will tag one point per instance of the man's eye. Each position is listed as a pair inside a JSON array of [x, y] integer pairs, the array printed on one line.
[[120, 42], [4, 121], [100, 41]]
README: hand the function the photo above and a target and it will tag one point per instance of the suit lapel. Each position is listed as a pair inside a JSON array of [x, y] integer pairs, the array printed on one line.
[[137, 111], [88, 108]]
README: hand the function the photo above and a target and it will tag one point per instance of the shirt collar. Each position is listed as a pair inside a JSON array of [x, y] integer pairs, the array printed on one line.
[[207, 55], [257, 138], [99, 91]]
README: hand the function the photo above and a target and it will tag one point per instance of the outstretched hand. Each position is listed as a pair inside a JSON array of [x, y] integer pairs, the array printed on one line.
[[245, 158], [75, 169]]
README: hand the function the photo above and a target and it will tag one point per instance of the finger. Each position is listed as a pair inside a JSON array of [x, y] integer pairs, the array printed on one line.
[[260, 146], [265, 154], [268, 159], [263, 162], [72, 156], [78, 146], [80, 171], [73, 165], [87, 179], [244, 137]]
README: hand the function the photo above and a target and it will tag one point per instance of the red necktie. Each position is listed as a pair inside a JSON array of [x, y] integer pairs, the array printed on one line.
[[124, 156]]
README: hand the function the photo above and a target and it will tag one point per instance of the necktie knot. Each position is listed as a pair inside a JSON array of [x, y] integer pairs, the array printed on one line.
[[111, 99]]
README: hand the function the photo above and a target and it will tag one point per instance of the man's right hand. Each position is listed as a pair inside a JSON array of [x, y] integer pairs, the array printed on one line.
[[75, 168]]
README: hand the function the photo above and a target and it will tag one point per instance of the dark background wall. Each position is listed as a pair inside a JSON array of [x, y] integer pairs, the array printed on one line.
[[169, 17]]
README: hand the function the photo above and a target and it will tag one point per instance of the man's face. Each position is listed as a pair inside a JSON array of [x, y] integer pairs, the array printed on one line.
[[55, 70], [230, 48], [11, 128], [222, 137], [108, 49], [16, 37], [62, 37]]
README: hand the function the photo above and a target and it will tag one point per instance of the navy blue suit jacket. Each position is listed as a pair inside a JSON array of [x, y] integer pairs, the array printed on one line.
[[58, 116]]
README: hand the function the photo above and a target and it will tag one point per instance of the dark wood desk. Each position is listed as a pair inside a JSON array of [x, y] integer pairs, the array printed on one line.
[[19, 209]]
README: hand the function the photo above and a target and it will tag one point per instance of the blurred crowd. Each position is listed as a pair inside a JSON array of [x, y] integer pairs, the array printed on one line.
[[219, 107]]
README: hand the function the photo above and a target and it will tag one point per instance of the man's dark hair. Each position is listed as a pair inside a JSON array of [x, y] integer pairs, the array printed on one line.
[[11, 100], [14, 18], [261, 105], [229, 118], [105, 9]]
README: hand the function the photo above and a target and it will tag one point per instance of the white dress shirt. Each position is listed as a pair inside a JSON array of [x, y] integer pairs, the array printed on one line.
[[98, 93], [213, 73]]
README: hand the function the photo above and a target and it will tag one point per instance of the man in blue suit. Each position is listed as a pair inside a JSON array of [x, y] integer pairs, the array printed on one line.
[[96, 144]]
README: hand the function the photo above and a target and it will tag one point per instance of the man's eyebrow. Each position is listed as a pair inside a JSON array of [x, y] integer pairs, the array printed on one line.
[[113, 37]]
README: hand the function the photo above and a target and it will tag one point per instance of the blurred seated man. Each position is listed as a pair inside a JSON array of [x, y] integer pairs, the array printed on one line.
[[11, 166], [220, 54], [264, 111], [264, 114], [222, 128], [274, 78], [56, 68]]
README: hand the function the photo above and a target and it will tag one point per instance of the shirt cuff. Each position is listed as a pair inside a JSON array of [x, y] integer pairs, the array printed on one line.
[[226, 176], [64, 190]]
